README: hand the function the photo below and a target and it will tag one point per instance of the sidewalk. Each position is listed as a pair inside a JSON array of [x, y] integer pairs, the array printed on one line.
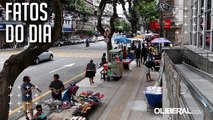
[[124, 99]]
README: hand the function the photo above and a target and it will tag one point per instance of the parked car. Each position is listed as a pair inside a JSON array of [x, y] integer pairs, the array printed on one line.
[[45, 56], [58, 43]]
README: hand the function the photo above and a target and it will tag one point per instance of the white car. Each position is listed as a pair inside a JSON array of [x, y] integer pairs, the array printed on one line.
[[45, 56]]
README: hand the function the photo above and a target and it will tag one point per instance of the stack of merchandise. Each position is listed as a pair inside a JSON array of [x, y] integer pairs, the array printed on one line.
[[88, 100], [154, 96]]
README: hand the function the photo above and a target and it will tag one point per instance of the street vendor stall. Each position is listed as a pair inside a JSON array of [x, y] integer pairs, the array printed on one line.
[[113, 69], [117, 55]]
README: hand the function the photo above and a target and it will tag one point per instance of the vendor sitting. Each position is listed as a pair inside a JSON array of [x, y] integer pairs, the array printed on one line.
[[39, 115]]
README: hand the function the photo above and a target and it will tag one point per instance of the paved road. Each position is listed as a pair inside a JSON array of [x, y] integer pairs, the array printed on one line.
[[69, 61]]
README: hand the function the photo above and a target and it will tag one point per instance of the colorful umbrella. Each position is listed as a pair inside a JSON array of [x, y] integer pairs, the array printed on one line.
[[139, 36], [160, 40]]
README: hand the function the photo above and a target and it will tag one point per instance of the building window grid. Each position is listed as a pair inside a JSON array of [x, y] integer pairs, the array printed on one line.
[[207, 16], [207, 28], [211, 29]]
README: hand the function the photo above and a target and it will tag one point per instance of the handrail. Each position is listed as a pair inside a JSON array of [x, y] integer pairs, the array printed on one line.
[[197, 95], [202, 61]]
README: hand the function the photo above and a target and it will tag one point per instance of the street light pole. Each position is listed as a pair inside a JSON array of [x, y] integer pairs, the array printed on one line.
[[161, 18]]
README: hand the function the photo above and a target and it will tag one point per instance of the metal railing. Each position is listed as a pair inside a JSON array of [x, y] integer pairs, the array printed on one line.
[[202, 61], [174, 83]]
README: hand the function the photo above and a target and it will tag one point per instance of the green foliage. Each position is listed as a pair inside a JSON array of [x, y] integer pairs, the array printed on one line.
[[147, 9], [122, 25], [78, 5]]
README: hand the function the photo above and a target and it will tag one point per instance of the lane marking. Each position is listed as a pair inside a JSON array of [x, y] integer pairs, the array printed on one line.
[[60, 60], [43, 95], [65, 66]]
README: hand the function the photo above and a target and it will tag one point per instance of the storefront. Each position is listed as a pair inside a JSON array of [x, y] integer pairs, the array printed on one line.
[[67, 32], [201, 24]]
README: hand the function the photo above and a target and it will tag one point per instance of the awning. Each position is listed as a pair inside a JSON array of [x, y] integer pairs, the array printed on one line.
[[2, 27], [65, 30]]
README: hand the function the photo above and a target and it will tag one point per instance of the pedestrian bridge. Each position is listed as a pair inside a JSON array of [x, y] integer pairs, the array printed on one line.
[[188, 81]]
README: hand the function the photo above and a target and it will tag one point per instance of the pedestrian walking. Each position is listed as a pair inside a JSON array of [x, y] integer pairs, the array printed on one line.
[[137, 56], [148, 66], [57, 87], [26, 89], [90, 71], [143, 54]]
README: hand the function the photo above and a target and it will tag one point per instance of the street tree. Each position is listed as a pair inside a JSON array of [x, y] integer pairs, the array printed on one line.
[[148, 12], [122, 25], [100, 28], [146, 9], [15, 64], [131, 14]]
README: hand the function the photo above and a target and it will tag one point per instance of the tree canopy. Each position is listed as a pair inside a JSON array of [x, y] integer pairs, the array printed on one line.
[[122, 25]]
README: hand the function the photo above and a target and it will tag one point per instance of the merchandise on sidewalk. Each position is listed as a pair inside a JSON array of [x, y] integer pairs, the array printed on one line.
[[76, 118], [88, 100]]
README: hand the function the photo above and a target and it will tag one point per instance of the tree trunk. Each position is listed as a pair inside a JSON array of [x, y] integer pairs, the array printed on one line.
[[17, 63], [134, 28], [109, 47], [4, 92], [100, 28]]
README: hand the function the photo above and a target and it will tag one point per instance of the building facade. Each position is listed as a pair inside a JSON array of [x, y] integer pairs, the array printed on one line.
[[201, 24], [174, 13]]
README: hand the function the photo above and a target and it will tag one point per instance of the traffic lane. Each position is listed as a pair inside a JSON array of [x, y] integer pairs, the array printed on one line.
[[41, 76], [2, 60], [93, 46]]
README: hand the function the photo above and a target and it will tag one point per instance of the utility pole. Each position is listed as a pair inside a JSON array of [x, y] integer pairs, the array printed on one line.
[[161, 18]]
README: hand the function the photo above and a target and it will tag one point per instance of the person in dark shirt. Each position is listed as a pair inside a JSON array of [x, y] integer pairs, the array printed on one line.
[[143, 54], [148, 66], [138, 56], [90, 71], [26, 89], [57, 87]]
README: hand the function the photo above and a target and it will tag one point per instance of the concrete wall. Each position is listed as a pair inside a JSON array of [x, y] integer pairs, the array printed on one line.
[[175, 54]]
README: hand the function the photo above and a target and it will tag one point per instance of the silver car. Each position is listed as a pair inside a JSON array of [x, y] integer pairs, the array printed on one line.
[[46, 55]]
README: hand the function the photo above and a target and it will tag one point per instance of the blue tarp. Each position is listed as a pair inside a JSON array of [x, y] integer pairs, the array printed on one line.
[[120, 39]]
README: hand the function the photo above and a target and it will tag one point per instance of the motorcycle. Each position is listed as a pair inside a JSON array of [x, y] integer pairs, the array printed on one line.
[[87, 44]]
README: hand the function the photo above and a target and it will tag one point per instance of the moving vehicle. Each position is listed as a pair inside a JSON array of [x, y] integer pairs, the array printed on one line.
[[45, 56]]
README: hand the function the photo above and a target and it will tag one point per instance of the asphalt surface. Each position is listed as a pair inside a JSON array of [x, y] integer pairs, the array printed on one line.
[[68, 62]]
